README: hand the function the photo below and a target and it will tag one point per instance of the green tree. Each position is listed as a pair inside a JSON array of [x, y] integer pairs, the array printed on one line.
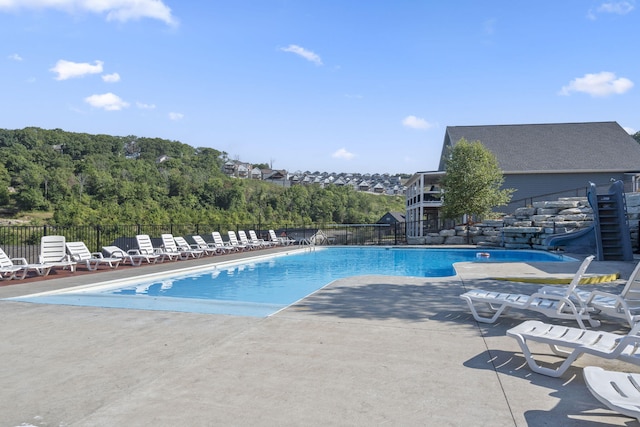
[[636, 136], [472, 182]]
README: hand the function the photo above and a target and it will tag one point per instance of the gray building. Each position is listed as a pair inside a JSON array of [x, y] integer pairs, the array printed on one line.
[[543, 161], [540, 161]]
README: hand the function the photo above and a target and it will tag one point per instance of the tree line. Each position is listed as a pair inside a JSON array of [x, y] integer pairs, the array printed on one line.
[[86, 179]]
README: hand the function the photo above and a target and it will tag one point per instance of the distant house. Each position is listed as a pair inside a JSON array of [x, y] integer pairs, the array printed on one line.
[[229, 168], [279, 177], [242, 171], [256, 173], [364, 185], [540, 161], [392, 218], [379, 188]]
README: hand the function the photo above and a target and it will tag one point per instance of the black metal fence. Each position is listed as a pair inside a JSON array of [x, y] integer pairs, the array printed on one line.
[[24, 241]]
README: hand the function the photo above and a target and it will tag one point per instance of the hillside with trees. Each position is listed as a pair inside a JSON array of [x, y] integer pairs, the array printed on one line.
[[85, 179]]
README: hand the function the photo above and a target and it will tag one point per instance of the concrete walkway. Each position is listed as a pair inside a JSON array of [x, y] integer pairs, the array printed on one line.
[[364, 351]]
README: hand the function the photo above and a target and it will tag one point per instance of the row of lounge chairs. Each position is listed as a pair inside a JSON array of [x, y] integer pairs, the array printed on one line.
[[620, 391], [563, 302], [56, 252]]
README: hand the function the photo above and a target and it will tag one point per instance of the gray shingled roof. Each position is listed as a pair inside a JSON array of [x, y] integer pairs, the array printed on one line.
[[560, 147]]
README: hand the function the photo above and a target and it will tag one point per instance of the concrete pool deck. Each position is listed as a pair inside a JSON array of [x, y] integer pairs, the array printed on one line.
[[368, 350]]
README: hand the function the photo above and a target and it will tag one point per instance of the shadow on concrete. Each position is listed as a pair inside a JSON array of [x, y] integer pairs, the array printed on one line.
[[371, 298], [576, 406]]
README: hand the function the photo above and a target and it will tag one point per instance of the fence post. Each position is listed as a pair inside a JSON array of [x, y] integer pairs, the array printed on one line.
[[395, 233], [98, 237]]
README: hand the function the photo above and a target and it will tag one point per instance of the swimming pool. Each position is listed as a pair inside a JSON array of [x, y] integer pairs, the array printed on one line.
[[263, 285]]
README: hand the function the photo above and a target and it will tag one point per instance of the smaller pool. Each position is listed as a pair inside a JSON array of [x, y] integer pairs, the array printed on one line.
[[263, 285]]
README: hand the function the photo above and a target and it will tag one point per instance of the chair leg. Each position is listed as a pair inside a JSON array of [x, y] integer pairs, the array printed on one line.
[[535, 367], [498, 311]]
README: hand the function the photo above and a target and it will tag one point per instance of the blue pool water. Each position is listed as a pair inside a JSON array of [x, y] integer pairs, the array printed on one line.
[[265, 285]]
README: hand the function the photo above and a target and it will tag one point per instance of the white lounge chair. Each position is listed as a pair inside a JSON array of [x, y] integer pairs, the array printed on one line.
[[79, 253], [233, 241], [625, 305], [220, 244], [186, 248], [561, 306], [274, 239], [132, 256], [579, 341], [8, 269], [17, 268], [208, 248], [145, 246], [171, 248], [253, 237], [619, 391], [242, 236], [284, 240], [53, 254]]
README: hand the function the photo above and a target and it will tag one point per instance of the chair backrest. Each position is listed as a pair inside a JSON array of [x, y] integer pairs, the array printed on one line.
[[182, 242], [217, 238], [633, 284], [52, 249], [272, 236], [253, 235], [243, 237], [199, 241], [5, 261], [169, 243], [578, 276], [232, 237], [78, 251], [144, 244]]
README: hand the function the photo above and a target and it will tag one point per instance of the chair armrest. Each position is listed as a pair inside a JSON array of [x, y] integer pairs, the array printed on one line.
[[97, 254], [20, 261]]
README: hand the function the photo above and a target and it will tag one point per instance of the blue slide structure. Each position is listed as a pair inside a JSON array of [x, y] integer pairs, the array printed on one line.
[[609, 237]]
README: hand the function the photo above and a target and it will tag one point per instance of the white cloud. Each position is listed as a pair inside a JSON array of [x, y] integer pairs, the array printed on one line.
[[67, 69], [176, 116], [115, 10], [106, 101], [15, 56], [144, 106], [111, 78], [630, 131], [416, 123], [600, 84], [343, 154], [304, 53], [617, 7]]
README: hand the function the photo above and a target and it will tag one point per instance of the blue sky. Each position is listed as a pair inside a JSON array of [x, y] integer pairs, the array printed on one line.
[[327, 85]]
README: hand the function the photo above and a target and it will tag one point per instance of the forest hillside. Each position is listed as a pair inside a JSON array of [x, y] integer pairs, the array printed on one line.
[[82, 179]]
